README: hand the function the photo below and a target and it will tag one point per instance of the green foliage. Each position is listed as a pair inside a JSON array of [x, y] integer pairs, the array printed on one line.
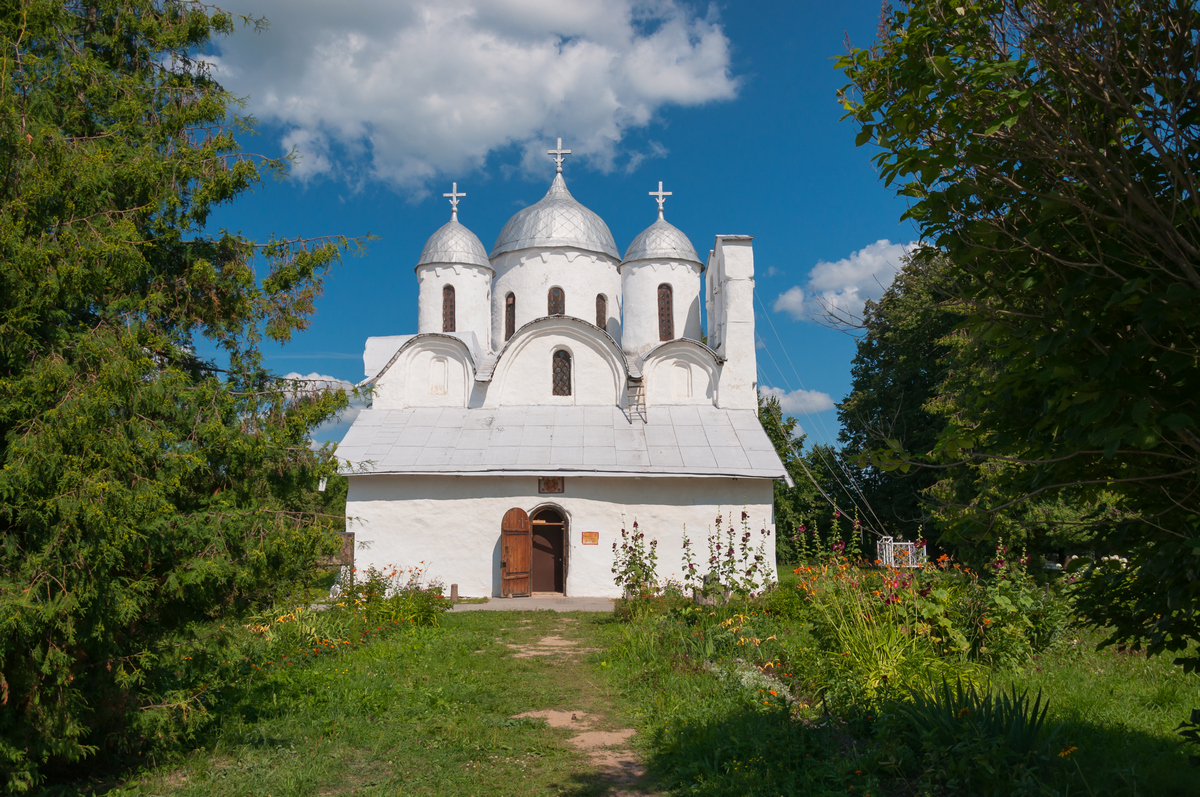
[[1189, 729], [146, 492], [900, 363], [978, 743], [818, 475], [396, 594], [1050, 151], [749, 700], [635, 564]]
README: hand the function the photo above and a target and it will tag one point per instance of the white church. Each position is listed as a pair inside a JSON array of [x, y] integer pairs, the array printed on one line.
[[554, 393]]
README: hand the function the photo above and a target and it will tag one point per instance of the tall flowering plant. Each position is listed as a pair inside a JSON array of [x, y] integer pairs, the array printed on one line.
[[735, 565], [635, 563]]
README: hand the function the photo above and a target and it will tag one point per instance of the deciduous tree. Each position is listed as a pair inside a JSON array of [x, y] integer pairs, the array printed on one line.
[[1050, 150]]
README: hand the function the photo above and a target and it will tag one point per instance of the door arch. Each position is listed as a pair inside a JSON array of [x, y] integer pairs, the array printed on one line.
[[516, 553], [548, 567]]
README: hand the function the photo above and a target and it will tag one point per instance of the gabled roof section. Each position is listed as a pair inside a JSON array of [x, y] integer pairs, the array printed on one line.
[[673, 343], [484, 374], [464, 339]]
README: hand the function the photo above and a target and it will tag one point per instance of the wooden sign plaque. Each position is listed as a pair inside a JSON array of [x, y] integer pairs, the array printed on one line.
[[591, 537], [551, 484]]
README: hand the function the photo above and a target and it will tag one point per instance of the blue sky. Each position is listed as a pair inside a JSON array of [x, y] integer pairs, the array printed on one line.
[[732, 106]]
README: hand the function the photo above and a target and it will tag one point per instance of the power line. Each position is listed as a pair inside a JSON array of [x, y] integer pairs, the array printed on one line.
[[841, 465]]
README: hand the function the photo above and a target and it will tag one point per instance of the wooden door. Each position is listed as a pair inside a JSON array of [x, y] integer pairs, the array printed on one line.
[[516, 554]]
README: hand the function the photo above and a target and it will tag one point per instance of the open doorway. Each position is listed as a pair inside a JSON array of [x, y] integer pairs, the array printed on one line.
[[549, 566]]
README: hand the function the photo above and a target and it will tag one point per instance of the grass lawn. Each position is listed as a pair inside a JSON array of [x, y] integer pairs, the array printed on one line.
[[437, 712], [429, 712]]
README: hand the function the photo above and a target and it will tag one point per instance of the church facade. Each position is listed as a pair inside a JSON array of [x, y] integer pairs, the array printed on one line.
[[556, 392]]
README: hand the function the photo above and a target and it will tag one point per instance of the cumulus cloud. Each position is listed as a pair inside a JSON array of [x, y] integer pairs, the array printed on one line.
[[315, 381], [841, 288], [334, 429], [406, 90], [800, 402]]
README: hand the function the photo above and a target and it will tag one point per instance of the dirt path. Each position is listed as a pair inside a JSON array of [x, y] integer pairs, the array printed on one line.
[[594, 730]]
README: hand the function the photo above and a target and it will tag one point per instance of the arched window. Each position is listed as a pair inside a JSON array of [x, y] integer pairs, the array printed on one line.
[[562, 373], [556, 302], [666, 315], [601, 311], [510, 316], [448, 308]]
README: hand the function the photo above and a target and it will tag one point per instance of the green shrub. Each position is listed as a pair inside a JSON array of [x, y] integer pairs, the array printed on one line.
[[976, 742], [396, 594]]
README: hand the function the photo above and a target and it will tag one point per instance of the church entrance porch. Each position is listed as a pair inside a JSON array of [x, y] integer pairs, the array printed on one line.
[[549, 547]]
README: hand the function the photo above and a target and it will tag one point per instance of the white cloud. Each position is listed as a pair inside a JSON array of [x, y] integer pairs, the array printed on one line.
[[840, 288], [334, 429], [315, 381], [406, 90], [800, 402]]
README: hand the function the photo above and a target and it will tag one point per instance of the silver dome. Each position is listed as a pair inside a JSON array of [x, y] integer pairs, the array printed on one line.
[[661, 241], [454, 243], [556, 220]]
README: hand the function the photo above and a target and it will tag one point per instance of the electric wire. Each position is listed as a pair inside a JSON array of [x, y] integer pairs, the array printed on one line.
[[841, 465]]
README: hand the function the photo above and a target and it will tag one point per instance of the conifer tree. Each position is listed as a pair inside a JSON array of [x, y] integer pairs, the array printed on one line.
[[144, 489]]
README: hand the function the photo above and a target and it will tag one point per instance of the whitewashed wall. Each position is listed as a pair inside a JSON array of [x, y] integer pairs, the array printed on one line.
[[434, 371], [680, 372], [451, 524], [731, 272], [524, 373], [472, 298], [639, 287], [529, 274]]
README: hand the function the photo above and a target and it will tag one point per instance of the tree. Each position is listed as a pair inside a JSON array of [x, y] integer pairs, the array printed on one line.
[[1050, 151], [908, 378], [145, 490], [900, 362], [821, 479]]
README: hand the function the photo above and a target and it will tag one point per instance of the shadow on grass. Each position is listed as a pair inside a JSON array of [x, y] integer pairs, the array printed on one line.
[[244, 705], [751, 753]]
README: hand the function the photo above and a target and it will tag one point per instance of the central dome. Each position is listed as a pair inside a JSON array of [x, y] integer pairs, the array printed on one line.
[[556, 220]]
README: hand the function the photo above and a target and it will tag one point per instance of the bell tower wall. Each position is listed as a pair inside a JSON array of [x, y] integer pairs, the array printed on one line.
[[731, 320]]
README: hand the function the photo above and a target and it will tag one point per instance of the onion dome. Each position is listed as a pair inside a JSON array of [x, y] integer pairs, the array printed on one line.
[[556, 220], [661, 241], [454, 243]]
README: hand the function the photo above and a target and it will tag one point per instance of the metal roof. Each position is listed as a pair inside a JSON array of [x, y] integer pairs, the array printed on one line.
[[557, 219], [661, 240], [454, 243], [598, 441]]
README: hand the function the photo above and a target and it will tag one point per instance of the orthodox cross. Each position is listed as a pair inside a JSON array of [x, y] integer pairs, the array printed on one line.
[[454, 197], [661, 196], [558, 153]]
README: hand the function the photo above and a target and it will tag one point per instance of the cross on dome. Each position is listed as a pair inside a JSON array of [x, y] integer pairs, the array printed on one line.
[[558, 153], [661, 196], [454, 196]]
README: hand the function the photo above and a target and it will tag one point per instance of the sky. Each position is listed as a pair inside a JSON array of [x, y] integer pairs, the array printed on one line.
[[733, 106]]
